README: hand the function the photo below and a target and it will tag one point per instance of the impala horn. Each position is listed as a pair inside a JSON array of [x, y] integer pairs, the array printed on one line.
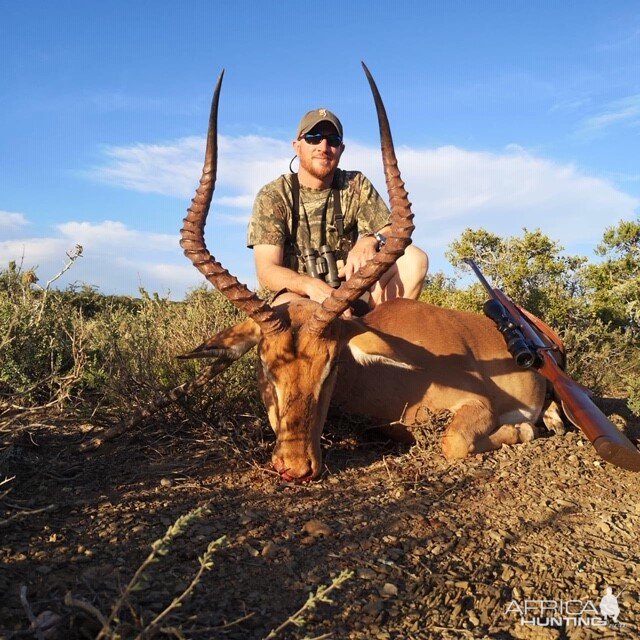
[[194, 246], [397, 240]]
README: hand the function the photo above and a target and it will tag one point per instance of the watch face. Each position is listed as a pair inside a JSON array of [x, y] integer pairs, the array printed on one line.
[[380, 238]]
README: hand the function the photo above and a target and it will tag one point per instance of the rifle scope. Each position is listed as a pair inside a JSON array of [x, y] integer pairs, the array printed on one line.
[[517, 344]]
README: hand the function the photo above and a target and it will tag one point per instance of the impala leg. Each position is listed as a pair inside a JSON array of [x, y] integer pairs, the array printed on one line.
[[472, 422], [474, 429], [507, 434]]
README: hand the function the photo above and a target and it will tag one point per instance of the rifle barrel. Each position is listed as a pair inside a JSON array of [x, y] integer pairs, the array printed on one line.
[[479, 275]]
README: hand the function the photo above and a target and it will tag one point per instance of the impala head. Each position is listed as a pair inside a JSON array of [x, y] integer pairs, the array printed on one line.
[[296, 378], [298, 345]]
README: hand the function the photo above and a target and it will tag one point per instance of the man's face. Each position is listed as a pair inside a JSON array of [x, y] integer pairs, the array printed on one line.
[[319, 160]]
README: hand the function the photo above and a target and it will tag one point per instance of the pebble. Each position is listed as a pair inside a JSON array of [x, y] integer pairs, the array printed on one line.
[[165, 482], [47, 624], [507, 573], [317, 528], [366, 574], [604, 527], [373, 607], [389, 590], [247, 517]]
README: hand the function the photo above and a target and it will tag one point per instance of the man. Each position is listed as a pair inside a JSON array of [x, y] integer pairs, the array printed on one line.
[[322, 205]]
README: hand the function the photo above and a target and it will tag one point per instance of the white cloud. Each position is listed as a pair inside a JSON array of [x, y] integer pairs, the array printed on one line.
[[240, 202], [245, 163], [33, 251], [115, 258], [620, 112], [453, 188], [110, 233], [10, 221], [570, 105], [504, 191]]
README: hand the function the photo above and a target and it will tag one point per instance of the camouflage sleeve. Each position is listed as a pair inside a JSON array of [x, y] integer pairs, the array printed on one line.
[[373, 213], [267, 224]]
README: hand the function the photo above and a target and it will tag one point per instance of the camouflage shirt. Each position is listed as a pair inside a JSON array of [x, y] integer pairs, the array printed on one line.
[[272, 220]]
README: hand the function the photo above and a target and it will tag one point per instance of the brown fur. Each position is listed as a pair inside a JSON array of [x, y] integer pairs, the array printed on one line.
[[421, 357]]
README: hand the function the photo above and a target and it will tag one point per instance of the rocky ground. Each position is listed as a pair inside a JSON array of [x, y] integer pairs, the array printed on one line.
[[432, 550]]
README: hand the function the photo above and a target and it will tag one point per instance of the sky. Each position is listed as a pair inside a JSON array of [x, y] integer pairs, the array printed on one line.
[[505, 115]]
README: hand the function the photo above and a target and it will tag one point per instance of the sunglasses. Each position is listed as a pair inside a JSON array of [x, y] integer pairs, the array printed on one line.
[[333, 139]]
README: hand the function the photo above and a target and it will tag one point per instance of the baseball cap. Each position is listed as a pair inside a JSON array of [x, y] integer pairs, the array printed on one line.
[[313, 117]]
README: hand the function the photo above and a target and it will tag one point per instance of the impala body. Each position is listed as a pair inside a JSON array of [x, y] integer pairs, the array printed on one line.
[[401, 361]]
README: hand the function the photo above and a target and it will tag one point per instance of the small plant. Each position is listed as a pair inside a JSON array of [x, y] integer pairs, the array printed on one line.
[[159, 549], [321, 595]]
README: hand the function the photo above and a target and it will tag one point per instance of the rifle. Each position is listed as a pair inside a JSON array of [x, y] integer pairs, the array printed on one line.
[[529, 350]]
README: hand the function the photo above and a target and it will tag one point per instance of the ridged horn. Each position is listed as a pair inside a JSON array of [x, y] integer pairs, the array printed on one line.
[[192, 234], [397, 240]]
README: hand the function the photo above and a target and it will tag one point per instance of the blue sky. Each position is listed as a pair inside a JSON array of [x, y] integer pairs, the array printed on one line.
[[504, 114]]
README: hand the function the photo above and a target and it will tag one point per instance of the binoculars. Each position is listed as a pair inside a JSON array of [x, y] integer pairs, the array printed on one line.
[[322, 264], [517, 344]]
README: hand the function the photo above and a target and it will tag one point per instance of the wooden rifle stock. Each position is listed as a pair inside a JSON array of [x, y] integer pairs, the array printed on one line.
[[611, 445]]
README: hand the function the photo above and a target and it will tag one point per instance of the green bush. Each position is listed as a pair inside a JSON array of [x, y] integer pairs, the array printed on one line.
[[79, 348]]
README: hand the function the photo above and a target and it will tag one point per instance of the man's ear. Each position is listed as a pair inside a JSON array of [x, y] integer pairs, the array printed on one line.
[[296, 146]]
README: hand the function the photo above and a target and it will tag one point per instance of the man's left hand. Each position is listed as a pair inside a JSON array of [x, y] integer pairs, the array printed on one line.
[[363, 250]]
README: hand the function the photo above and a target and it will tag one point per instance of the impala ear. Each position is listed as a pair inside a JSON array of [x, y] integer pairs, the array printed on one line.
[[231, 343], [368, 347]]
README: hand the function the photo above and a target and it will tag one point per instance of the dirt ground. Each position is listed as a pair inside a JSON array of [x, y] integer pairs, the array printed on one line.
[[435, 550]]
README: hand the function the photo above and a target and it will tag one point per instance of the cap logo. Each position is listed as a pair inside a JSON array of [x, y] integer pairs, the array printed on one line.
[[322, 112]]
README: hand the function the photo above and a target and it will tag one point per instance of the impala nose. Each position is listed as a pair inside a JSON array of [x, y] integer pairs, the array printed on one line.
[[296, 470]]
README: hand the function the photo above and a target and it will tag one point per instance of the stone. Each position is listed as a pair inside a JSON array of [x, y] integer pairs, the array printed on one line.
[[366, 574], [317, 528]]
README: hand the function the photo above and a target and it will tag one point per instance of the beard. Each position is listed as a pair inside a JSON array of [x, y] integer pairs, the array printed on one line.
[[319, 170]]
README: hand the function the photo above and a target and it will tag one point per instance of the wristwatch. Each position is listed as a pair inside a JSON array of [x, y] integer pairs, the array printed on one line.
[[381, 240]]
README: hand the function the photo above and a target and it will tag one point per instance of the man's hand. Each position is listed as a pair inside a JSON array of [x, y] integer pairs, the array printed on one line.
[[319, 291], [363, 250], [316, 289]]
